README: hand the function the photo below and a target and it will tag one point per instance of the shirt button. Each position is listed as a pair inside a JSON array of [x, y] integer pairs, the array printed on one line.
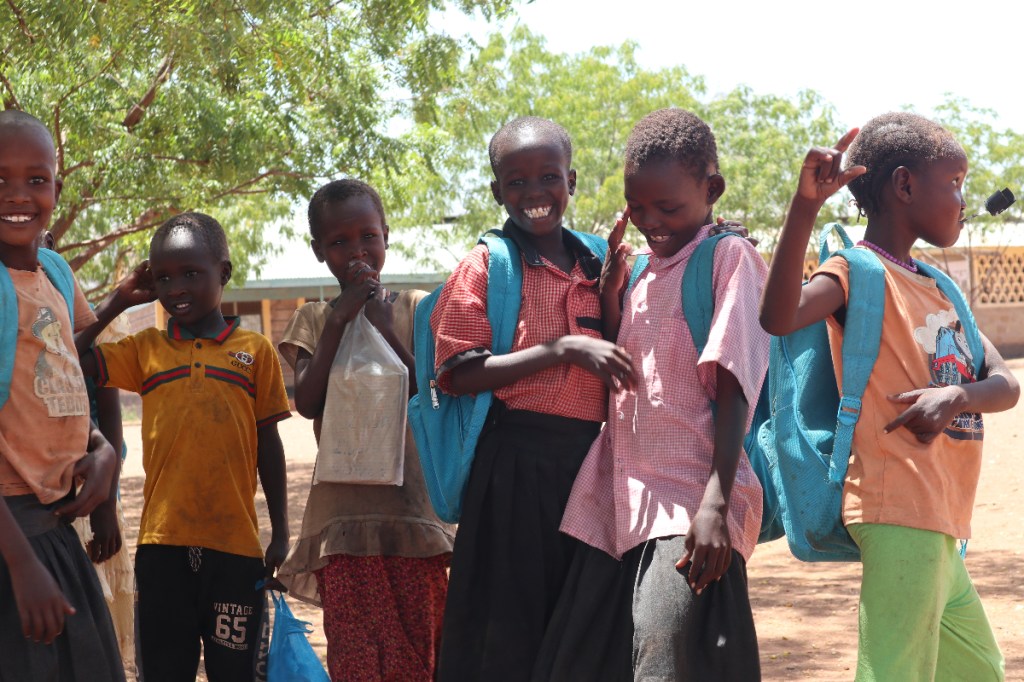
[[198, 365], [620, 415], [198, 345], [656, 260]]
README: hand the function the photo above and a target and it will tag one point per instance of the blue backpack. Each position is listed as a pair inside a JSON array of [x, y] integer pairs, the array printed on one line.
[[699, 310], [446, 427], [60, 274], [808, 437]]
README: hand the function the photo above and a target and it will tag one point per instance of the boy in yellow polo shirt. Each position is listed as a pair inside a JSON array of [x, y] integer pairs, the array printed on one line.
[[212, 394]]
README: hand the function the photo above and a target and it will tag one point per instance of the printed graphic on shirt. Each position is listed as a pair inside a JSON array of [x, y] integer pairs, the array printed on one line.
[[950, 364], [230, 627], [242, 360], [57, 384]]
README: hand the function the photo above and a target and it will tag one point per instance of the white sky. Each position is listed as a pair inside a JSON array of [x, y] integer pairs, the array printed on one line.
[[865, 57]]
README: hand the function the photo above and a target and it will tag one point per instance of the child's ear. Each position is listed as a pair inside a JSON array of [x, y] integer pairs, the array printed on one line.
[[901, 182], [225, 272], [317, 250], [58, 185], [496, 192], [386, 230], [572, 181], [716, 187]]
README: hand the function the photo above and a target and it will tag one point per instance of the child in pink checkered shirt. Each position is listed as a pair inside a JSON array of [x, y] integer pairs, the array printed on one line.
[[668, 507]]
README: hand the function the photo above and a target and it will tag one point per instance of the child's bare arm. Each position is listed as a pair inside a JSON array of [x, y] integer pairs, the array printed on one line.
[[41, 605], [270, 465], [930, 410], [603, 359], [313, 371], [787, 305], [708, 545], [135, 289], [614, 277], [106, 536]]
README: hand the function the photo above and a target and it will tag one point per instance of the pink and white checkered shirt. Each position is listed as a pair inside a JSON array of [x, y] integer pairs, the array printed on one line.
[[645, 475]]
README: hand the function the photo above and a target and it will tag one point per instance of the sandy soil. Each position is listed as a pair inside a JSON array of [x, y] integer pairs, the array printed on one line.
[[806, 613]]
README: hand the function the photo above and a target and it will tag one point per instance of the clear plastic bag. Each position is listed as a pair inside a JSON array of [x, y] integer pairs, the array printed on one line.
[[362, 438]]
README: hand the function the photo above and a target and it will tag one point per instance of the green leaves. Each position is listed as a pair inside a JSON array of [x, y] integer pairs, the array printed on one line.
[[239, 109]]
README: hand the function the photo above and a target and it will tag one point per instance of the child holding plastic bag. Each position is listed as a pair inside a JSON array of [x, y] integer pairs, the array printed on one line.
[[374, 556]]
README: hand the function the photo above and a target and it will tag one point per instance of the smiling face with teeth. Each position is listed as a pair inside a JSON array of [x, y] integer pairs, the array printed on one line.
[[29, 188], [533, 182], [669, 202]]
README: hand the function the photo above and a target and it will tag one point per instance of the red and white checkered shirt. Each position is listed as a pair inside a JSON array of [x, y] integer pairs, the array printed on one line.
[[645, 475], [554, 304]]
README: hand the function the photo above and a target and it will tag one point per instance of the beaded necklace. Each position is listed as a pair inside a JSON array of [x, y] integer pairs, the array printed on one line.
[[911, 266]]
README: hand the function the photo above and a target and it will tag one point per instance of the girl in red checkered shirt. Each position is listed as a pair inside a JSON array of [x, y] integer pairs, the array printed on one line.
[[510, 561]]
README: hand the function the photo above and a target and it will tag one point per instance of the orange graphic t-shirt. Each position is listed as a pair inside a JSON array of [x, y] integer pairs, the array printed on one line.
[[893, 478]]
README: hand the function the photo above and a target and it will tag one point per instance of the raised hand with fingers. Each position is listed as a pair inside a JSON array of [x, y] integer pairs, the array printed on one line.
[[615, 271], [137, 288], [822, 174]]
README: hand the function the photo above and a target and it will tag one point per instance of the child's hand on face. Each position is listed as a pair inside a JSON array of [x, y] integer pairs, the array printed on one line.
[[931, 411], [362, 283], [138, 287], [97, 469], [379, 310], [708, 549], [106, 536], [608, 362], [615, 271], [41, 605], [821, 175]]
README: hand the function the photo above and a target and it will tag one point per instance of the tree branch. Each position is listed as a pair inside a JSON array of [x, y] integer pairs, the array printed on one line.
[[11, 101], [240, 188], [138, 110], [149, 218], [21, 22]]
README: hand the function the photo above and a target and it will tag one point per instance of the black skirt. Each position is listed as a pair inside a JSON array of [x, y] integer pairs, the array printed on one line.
[[87, 648], [510, 561]]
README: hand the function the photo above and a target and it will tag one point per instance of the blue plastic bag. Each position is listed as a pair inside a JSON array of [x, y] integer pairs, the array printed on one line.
[[291, 657]]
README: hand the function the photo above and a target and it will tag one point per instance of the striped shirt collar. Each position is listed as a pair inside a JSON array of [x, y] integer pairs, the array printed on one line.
[[589, 262], [179, 333]]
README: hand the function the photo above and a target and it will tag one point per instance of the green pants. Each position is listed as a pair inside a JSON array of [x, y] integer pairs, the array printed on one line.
[[920, 616]]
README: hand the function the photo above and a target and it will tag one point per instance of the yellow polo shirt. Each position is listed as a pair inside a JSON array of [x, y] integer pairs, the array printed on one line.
[[202, 401]]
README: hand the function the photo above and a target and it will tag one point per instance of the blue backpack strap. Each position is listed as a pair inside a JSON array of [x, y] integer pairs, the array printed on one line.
[[504, 290], [8, 332], [59, 273], [596, 243], [698, 289], [641, 263], [963, 310], [862, 334]]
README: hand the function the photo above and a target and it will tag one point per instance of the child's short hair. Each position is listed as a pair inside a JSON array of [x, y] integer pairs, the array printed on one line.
[[672, 135], [18, 118], [892, 140], [337, 191], [542, 126], [204, 227]]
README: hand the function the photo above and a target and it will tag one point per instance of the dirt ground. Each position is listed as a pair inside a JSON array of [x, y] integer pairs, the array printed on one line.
[[806, 614]]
